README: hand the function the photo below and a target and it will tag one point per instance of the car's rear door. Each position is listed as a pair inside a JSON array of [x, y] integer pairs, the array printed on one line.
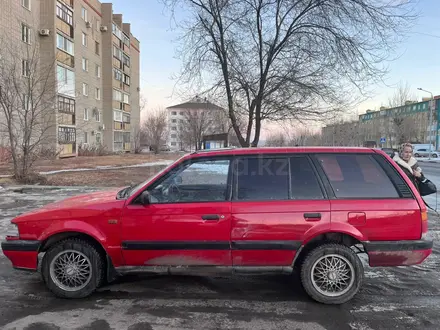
[[369, 194], [277, 202]]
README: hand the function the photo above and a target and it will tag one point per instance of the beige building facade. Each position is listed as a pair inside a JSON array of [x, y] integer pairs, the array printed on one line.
[[95, 61]]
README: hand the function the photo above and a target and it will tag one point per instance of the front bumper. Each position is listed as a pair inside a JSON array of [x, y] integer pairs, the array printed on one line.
[[397, 253], [23, 254]]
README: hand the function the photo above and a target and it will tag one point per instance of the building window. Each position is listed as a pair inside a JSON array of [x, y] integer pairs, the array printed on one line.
[[126, 79], [173, 128], [97, 93], [173, 113], [86, 138], [25, 70], [25, 33], [66, 135], [98, 25], [26, 4], [126, 40], [98, 138], [117, 53], [116, 31], [126, 60], [98, 71], [117, 95], [85, 64], [173, 144], [117, 74], [98, 116], [126, 99], [66, 105], [65, 44], [85, 89], [96, 48], [86, 114], [84, 14], [84, 39], [66, 81], [64, 13], [173, 136], [117, 116]]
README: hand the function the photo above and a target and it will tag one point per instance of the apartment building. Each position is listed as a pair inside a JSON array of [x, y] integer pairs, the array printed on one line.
[[389, 126], [189, 121], [95, 65]]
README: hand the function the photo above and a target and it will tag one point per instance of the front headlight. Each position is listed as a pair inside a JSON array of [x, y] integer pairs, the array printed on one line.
[[12, 230]]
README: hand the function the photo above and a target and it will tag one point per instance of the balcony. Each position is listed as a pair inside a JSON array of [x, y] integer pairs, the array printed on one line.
[[68, 2], [116, 83], [116, 41], [64, 27], [127, 146], [127, 107], [66, 119], [117, 63], [126, 69], [67, 150], [126, 49], [126, 126], [117, 125], [117, 105], [65, 58]]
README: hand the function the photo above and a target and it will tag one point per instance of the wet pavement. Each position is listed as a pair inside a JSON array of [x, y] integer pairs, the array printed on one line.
[[391, 298]]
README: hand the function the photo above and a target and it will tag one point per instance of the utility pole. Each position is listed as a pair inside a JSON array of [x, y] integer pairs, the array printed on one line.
[[431, 110]]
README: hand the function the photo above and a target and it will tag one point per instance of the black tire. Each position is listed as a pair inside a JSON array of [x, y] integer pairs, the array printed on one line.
[[347, 255], [416, 155], [434, 155], [96, 278]]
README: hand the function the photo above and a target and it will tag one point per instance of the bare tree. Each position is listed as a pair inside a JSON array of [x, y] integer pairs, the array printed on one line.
[[200, 122], [153, 131], [276, 140], [27, 103], [139, 132], [278, 59]]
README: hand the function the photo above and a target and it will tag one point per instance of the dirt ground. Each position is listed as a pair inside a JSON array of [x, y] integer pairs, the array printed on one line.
[[93, 161], [96, 178], [106, 178]]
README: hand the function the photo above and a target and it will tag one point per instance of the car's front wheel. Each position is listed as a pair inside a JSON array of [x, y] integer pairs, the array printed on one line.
[[72, 268], [332, 274]]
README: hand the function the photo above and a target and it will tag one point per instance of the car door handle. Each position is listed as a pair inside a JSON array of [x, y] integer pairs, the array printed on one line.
[[312, 216], [210, 217]]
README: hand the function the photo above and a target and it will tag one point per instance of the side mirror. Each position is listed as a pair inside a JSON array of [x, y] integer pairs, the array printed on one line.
[[145, 198]]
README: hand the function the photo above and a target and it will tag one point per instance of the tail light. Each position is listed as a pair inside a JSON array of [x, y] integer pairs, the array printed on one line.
[[424, 222]]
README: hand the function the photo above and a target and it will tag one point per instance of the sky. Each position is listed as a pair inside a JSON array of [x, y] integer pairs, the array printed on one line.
[[418, 64]]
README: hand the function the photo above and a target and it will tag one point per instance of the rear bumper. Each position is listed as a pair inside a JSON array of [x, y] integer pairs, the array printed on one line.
[[23, 254], [397, 253]]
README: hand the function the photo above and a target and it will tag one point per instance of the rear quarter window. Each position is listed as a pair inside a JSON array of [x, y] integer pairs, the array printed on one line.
[[356, 176]]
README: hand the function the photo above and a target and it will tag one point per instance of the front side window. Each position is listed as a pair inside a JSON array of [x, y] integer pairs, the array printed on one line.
[[262, 179], [200, 181], [357, 176]]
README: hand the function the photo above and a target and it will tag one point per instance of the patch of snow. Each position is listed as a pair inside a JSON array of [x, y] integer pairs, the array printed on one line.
[[109, 167]]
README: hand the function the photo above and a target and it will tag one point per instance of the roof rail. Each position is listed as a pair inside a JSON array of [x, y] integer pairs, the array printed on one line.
[[208, 150]]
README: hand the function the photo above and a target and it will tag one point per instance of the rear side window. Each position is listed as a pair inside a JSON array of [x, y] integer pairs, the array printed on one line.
[[305, 185], [262, 179], [357, 176]]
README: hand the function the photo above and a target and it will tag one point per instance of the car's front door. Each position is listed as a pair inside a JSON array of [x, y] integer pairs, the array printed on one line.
[[188, 219]]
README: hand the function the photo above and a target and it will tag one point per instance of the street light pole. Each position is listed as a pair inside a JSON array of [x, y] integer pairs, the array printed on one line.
[[431, 109]]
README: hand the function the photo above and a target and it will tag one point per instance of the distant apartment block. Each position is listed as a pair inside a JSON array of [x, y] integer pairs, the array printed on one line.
[[187, 119], [96, 68], [409, 122]]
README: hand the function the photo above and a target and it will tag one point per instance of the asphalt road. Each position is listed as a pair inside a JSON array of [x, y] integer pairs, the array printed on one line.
[[391, 298]]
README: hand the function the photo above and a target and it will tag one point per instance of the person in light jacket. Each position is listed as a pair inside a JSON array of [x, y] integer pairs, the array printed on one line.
[[409, 164]]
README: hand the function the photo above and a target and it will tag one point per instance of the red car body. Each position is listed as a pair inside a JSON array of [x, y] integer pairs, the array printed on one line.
[[233, 235]]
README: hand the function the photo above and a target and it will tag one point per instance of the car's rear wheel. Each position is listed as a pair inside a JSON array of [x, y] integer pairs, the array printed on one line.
[[332, 274], [72, 268], [416, 155]]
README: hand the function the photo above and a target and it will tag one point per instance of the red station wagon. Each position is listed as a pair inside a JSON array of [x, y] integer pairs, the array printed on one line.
[[247, 211]]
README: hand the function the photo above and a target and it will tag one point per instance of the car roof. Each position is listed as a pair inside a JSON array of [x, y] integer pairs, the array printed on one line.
[[278, 150]]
